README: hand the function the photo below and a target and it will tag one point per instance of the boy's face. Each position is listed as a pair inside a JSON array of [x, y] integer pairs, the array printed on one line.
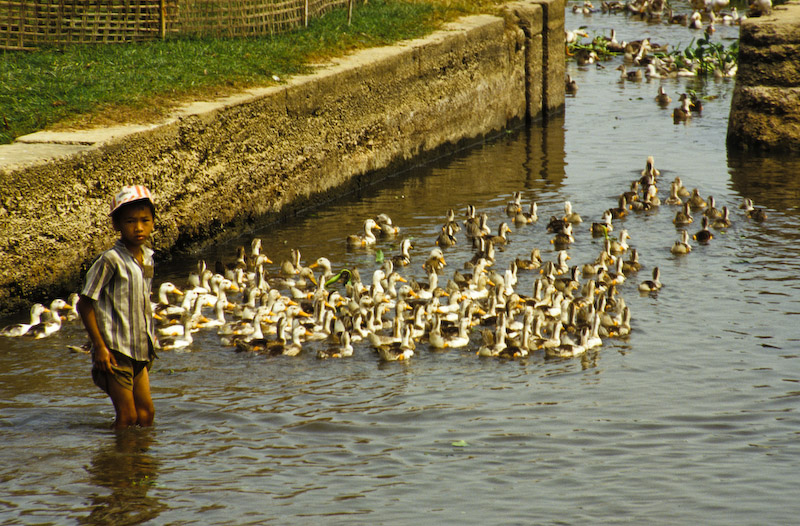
[[135, 224]]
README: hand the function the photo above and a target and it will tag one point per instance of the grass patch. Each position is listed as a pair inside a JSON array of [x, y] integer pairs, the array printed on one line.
[[87, 85]]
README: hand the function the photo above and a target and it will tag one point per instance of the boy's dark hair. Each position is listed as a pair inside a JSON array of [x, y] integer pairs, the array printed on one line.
[[141, 202]]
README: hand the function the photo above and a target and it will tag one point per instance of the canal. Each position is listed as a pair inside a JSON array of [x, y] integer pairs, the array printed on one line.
[[692, 419]]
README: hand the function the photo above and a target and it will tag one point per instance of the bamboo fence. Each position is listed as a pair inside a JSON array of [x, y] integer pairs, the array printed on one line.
[[28, 24]]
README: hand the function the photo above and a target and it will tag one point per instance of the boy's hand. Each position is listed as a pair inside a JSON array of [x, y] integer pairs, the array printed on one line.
[[103, 359]]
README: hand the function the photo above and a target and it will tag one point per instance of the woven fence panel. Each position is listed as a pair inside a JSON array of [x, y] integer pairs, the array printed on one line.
[[32, 23], [27, 24]]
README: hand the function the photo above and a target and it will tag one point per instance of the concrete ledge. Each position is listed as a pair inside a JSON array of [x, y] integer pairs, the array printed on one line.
[[216, 166], [765, 109]]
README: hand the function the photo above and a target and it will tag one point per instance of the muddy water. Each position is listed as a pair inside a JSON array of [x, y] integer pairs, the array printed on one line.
[[693, 419]]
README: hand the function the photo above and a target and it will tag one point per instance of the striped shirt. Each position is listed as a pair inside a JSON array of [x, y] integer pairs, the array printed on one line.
[[120, 288]]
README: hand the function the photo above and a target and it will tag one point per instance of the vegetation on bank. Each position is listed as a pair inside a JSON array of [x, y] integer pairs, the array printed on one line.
[[85, 85]]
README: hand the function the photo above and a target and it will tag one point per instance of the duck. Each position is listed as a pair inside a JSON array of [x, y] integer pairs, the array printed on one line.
[[662, 98], [515, 205], [461, 338], [435, 261], [711, 211], [571, 85], [397, 351], [633, 75], [368, 238], [435, 338], [530, 264], [528, 217], [163, 306], [695, 201], [386, 226], [574, 35], [704, 235], [696, 104], [651, 196], [446, 237], [450, 219], [723, 222], [651, 285], [683, 112], [564, 237], [674, 198], [569, 215], [291, 267], [756, 214], [256, 341], [556, 224], [568, 349], [20, 329], [404, 258], [682, 246], [695, 20], [620, 211], [632, 264], [51, 321], [561, 265], [618, 246], [179, 341], [650, 168], [291, 348], [602, 228], [683, 192], [500, 240], [344, 349], [72, 313], [624, 328], [683, 217]]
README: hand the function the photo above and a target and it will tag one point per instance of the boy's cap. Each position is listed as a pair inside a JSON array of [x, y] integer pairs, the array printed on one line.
[[129, 194]]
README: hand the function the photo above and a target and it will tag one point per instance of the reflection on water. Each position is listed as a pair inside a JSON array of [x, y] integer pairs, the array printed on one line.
[[122, 473]]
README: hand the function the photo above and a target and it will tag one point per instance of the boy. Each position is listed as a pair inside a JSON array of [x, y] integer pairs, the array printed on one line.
[[115, 309]]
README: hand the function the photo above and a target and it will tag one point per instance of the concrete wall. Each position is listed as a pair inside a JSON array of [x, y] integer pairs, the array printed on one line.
[[765, 110], [218, 165]]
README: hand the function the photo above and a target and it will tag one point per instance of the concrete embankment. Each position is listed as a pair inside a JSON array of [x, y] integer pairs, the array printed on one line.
[[216, 166], [765, 110]]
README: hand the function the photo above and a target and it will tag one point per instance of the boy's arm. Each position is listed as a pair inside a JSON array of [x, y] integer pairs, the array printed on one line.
[[101, 357]]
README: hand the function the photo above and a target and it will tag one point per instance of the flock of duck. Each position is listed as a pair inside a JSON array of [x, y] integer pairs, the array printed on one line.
[[256, 307], [644, 59]]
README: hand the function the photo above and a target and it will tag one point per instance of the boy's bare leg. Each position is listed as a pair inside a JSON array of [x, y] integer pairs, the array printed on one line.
[[141, 396], [124, 405]]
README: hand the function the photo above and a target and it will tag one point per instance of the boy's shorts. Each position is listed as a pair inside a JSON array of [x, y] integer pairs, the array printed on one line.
[[125, 372]]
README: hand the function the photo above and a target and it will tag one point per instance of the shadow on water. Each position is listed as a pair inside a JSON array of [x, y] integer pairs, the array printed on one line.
[[123, 471]]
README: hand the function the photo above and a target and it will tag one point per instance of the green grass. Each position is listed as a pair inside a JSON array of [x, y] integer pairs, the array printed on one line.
[[95, 84]]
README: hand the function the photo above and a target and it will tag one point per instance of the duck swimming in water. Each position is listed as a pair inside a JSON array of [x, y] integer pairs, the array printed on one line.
[[603, 227], [683, 217], [756, 214], [651, 285], [682, 246], [704, 235], [662, 98], [20, 329], [368, 238], [571, 86], [683, 112], [722, 222], [386, 226], [528, 217], [404, 258], [695, 201]]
